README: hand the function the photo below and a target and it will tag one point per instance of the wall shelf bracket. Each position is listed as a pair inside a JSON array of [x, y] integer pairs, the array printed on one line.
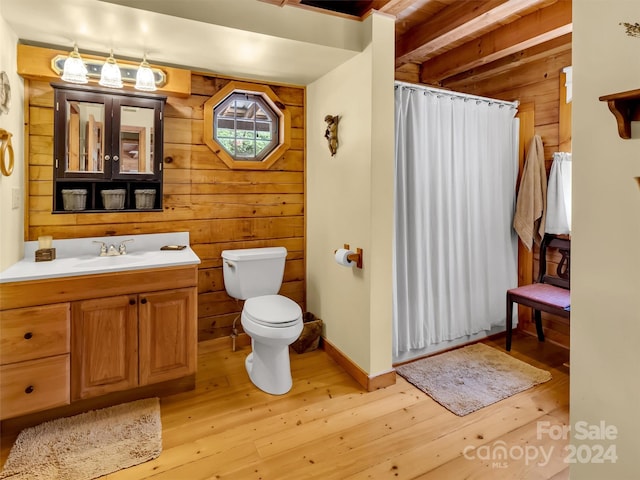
[[625, 107]]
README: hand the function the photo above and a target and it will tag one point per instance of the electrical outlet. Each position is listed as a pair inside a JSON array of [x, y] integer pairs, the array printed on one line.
[[16, 198]]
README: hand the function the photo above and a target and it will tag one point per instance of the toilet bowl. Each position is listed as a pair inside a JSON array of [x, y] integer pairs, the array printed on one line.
[[272, 321]]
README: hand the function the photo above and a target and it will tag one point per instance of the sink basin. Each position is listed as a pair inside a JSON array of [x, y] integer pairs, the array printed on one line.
[[132, 258]]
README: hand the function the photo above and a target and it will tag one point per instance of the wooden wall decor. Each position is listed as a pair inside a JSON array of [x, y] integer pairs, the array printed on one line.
[[331, 133], [219, 207]]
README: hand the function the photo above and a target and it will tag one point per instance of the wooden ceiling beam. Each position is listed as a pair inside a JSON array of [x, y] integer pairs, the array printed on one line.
[[398, 7], [541, 26], [518, 59], [454, 23]]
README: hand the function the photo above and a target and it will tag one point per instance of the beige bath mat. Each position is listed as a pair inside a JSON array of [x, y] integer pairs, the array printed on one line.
[[470, 378], [88, 445]]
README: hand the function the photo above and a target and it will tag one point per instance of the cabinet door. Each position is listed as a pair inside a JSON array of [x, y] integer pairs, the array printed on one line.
[[104, 346], [168, 335], [137, 138], [82, 125]]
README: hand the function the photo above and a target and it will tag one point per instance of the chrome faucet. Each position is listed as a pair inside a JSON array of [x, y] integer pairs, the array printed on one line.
[[111, 250]]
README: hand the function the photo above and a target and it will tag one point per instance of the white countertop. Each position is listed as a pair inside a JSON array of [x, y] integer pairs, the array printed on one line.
[[80, 256]]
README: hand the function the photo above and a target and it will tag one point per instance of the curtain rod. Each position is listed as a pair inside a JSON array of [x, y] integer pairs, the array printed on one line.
[[440, 91]]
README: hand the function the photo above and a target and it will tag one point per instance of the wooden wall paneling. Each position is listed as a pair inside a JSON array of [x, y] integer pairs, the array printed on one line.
[[27, 159], [564, 117], [508, 63], [220, 208], [526, 114], [546, 69]]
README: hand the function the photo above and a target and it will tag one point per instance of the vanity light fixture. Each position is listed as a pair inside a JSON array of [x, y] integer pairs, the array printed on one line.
[[145, 80], [110, 75], [108, 72], [74, 70]]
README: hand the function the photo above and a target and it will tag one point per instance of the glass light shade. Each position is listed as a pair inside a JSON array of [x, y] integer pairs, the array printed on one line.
[[74, 69], [145, 80], [110, 75]]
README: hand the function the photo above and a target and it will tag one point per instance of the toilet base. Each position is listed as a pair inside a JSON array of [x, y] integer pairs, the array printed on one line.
[[269, 368]]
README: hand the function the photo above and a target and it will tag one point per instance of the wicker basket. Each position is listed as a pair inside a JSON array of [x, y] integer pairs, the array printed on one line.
[[113, 199], [74, 199], [309, 339], [145, 198]]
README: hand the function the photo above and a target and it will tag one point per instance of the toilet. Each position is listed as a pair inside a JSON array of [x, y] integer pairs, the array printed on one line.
[[272, 321]]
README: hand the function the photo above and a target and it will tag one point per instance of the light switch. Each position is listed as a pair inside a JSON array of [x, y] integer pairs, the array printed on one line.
[[16, 198]]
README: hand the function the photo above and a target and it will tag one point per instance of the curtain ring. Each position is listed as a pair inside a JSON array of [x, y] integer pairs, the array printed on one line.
[[5, 137]]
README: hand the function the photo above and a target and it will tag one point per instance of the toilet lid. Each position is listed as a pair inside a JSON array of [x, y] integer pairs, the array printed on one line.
[[272, 311]]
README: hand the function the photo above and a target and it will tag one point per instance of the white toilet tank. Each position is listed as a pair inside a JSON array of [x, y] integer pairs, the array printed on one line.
[[252, 272]]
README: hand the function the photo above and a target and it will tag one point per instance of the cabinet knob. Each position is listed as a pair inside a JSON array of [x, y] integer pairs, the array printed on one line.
[[132, 301], [28, 336], [143, 301], [116, 158], [107, 158], [29, 389]]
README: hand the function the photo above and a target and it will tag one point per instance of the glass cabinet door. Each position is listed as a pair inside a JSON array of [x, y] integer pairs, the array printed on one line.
[[136, 140], [85, 137]]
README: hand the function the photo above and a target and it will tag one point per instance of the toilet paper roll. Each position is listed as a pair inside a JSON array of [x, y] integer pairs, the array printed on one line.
[[341, 257]]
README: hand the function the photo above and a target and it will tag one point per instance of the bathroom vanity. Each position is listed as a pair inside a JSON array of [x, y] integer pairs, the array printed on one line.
[[84, 326]]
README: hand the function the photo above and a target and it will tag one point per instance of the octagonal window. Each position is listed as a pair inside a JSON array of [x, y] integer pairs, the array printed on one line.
[[245, 127]]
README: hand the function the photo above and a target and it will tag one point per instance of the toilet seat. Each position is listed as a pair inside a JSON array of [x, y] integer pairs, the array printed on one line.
[[274, 311]]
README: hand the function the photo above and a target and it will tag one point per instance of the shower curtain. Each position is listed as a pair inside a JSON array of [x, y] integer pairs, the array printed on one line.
[[455, 252]]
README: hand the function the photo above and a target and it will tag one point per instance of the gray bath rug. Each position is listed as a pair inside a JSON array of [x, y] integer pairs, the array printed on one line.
[[470, 378]]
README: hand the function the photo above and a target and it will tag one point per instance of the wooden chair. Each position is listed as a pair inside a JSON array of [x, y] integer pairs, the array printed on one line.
[[550, 293]]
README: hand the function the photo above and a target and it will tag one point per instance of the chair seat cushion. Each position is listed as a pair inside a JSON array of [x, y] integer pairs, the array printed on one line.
[[543, 293]]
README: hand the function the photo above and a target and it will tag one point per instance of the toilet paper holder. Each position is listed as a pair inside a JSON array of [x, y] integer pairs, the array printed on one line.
[[354, 257]]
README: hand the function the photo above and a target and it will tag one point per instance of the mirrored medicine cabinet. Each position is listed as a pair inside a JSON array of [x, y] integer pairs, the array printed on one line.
[[106, 142]]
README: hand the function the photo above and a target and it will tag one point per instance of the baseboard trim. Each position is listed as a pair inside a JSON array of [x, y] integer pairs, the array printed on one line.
[[368, 382]]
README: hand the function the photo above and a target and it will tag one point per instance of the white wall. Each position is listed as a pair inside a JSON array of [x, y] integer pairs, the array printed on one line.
[[605, 277], [350, 200], [12, 219]]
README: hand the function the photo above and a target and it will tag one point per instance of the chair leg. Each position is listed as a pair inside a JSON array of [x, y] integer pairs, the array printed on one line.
[[509, 321], [538, 316]]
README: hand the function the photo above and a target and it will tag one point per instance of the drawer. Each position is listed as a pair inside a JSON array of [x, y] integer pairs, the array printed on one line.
[[34, 385], [34, 332]]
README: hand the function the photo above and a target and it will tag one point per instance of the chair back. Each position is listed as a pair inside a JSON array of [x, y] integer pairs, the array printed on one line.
[[562, 273]]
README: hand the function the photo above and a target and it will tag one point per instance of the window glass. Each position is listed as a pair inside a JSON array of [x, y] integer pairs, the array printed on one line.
[[246, 126]]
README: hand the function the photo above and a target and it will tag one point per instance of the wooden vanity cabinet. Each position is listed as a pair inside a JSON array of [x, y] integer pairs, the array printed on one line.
[[116, 335], [132, 340], [34, 359]]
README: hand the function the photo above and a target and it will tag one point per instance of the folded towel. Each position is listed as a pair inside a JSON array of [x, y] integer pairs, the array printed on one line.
[[558, 218], [529, 219]]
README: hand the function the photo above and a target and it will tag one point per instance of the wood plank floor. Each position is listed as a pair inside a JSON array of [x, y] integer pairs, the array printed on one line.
[[328, 427]]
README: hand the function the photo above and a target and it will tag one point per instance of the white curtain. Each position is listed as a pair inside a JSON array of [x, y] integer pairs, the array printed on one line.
[[455, 253], [558, 218]]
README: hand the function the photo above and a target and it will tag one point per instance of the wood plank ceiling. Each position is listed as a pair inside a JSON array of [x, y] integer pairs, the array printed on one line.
[[452, 43]]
